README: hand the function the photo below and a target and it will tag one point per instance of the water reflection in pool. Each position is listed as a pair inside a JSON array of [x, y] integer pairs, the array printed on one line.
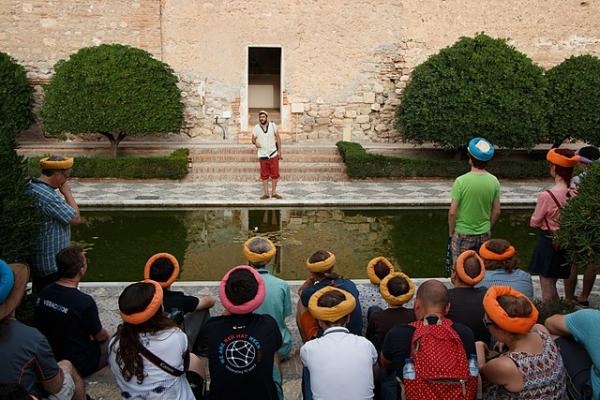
[[208, 242]]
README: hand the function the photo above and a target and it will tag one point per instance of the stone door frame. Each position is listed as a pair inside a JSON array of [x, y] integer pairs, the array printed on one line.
[[284, 123]]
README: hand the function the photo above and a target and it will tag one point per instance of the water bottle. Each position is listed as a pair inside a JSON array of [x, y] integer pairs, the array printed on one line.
[[409, 372], [473, 367]]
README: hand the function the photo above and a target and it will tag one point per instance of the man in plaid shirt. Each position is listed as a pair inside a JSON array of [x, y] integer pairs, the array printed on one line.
[[59, 213]]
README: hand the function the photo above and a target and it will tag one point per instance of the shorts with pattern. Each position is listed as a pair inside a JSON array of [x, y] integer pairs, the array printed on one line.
[[462, 242]]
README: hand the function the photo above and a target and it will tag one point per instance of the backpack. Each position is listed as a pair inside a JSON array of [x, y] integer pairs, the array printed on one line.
[[441, 364]]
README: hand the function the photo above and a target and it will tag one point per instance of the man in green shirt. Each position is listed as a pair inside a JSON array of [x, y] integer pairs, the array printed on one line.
[[475, 205]]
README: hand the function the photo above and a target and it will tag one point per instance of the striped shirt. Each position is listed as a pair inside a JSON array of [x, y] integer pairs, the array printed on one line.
[[55, 232]]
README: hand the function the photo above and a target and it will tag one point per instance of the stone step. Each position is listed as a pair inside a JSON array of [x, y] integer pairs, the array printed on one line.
[[286, 167], [291, 149], [251, 158], [254, 177]]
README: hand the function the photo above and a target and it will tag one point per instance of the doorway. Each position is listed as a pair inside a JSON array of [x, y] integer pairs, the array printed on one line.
[[264, 83]]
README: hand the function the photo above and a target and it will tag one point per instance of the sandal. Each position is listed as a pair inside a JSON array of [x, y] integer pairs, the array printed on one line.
[[276, 196], [583, 303], [264, 197]]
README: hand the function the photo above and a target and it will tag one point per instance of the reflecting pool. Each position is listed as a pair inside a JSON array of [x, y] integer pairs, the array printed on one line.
[[208, 241]]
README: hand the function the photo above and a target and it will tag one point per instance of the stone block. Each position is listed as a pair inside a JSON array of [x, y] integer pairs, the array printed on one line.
[[378, 88], [365, 126], [362, 119], [339, 112], [307, 120], [325, 113], [404, 78], [351, 114], [369, 97], [323, 121], [380, 99], [375, 107], [337, 122], [381, 128], [297, 108], [355, 99], [313, 113]]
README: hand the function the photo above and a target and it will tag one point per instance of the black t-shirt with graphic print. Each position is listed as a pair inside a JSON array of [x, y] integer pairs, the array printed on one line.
[[240, 350]]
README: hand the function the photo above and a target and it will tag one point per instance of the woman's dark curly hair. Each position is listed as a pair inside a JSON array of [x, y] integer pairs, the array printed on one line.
[[135, 298], [499, 246]]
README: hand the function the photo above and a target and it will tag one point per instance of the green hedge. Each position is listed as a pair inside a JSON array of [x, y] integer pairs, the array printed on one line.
[[16, 97], [479, 86], [575, 103], [173, 166], [360, 164], [579, 232]]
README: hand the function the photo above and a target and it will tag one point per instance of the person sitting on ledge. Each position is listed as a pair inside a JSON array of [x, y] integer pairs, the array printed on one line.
[[582, 366], [278, 304], [396, 289], [27, 358], [502, 267], [149, 354], [369, 296], [69, 318], [164, 269], [531, 367], [321, 265], [438, 367], [466, 300], [338, 365], [241, 346]]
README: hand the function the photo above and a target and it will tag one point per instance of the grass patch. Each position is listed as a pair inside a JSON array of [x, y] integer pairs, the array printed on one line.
[[173, 166], [360, 164]]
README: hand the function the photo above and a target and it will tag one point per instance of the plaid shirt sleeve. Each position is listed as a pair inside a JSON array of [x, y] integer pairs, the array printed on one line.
[[56, 208]]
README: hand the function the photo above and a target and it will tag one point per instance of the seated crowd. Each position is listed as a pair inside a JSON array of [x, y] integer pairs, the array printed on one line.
[[478, 339]]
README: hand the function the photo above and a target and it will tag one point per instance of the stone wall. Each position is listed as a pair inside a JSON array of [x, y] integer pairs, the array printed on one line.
[[345, 63]]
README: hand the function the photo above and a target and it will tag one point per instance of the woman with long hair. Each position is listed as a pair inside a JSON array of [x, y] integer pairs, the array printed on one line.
[[148, 355], [531, 366], [548, 260]]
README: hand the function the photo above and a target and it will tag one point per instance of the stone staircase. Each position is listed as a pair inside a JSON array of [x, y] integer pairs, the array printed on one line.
[[239, 164]]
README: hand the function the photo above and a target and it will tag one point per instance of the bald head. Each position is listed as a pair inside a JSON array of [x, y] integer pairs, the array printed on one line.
[[432, 294]]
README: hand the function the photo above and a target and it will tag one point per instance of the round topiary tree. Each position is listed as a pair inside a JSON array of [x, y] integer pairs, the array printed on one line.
[[16, 97], [478, 86], [113, 90], [579, 232], [574, 85]]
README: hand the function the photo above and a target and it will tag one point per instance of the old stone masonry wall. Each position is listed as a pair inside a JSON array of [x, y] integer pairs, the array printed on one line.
[[344, 63]]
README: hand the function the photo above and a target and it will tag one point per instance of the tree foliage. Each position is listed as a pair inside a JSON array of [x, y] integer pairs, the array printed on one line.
[[478, 86], [574, 87], [16, 97], [20, 217], [579, 232], [114, 90]]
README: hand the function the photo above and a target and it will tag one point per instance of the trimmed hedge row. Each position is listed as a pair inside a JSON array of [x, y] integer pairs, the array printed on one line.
[[173, 166], [360, 164]]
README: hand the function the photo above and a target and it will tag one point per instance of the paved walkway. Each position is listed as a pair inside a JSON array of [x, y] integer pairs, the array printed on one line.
[[319, 194]]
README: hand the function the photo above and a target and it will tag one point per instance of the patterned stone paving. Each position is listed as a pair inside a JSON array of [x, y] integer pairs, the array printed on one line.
[[324, 194]]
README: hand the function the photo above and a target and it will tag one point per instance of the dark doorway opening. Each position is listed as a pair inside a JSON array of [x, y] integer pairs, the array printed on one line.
[[264, 83]]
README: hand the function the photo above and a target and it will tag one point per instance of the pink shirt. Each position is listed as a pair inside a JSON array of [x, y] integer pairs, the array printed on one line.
[[546, 210]]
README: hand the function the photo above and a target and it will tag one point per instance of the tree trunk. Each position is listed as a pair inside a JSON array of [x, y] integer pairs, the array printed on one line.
[[114, 142]]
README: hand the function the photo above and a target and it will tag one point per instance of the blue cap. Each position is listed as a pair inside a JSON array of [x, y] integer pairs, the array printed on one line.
[[481, 149], [7, 281]]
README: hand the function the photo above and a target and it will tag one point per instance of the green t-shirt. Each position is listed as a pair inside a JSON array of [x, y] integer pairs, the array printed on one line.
[[475, 193]]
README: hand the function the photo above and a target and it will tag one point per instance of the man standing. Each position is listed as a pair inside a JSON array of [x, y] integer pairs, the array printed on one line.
[[58, 212], [69, 318], [475, 206], [266, 139]]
